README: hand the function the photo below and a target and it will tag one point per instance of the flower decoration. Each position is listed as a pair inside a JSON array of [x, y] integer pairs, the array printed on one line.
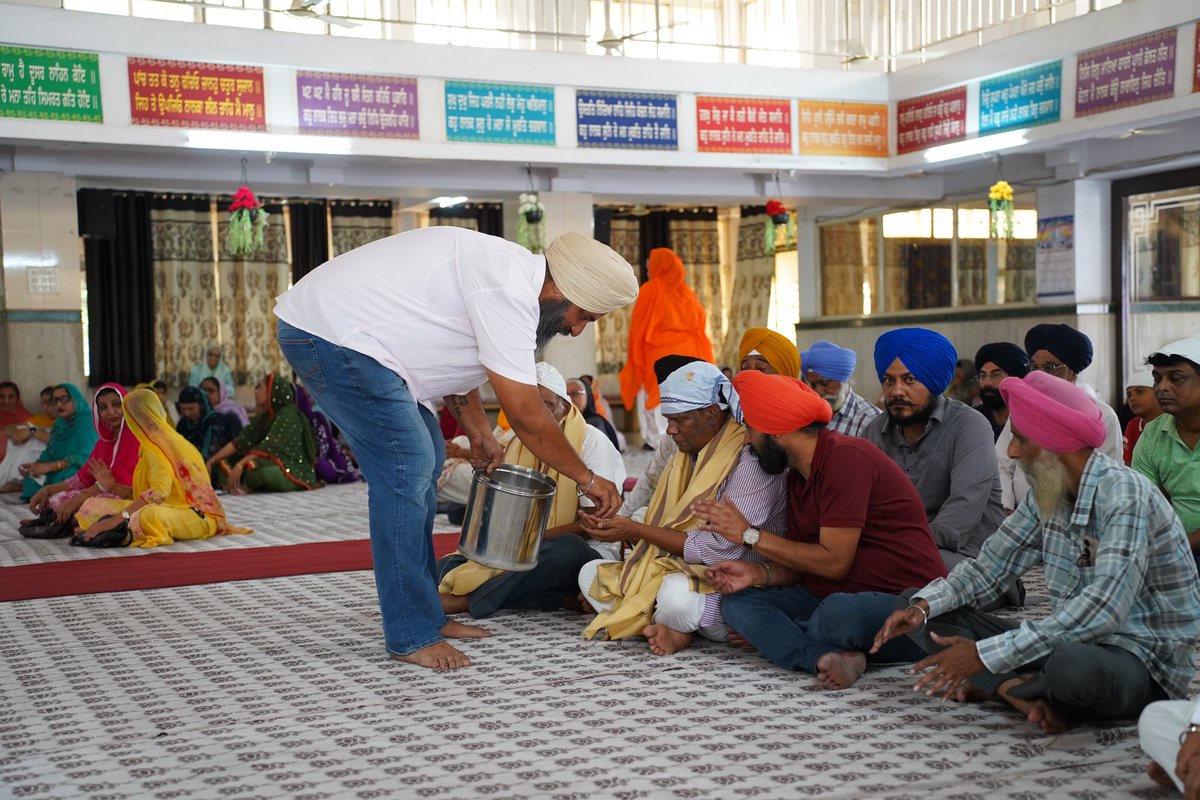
[[778, 217], [1000, 201], [247, 224], [778, 212], [531, 227]]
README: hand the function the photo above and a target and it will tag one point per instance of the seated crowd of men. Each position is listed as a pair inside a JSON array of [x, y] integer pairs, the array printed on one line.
[[785, 514]]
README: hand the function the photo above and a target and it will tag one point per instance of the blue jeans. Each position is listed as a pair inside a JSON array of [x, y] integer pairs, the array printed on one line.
[[793, 628], [400, 451]]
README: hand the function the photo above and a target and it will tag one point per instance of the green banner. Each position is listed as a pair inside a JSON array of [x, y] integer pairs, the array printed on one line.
[[50, 84]]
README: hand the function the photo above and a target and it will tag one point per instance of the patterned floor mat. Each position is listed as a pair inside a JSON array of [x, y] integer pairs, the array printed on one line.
[[279, 688]]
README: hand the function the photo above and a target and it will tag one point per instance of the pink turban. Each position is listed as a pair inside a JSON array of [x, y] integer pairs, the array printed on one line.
[[778, 404], [1055, 415]]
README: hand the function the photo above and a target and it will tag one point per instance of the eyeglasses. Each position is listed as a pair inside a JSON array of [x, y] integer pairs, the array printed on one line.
[[995, 375], [577, 392], [1050, 367], [60, 399]]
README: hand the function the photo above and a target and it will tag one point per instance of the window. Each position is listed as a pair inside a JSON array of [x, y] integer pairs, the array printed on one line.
[[928, 258], [1163, 244]]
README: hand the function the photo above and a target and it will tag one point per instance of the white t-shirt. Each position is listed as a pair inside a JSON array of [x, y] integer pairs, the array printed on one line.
[[434, 305]]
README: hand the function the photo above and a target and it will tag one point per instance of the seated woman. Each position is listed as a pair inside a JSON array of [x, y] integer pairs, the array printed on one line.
[[275, 452], [213, 366], [206, 429], [25, 440], [218, 398], [108, 473], [584, 399], [72, 438], [332, 464], [172, 496]]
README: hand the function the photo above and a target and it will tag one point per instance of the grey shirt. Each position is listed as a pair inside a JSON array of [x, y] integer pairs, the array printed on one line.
[[953, 466]]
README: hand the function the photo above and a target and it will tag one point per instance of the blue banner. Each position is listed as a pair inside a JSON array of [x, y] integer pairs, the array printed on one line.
[[499, 113], [1031, 96], [626, 120]]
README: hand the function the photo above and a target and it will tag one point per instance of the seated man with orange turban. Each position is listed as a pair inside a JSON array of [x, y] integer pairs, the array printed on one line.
[[856, 533], [765, 350], [662, 581], [667, 319], [468, 586]]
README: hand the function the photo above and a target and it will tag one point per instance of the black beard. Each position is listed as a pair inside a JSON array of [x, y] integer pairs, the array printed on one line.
[[771, 457], [919, 418], [992, 398], [550, 321]]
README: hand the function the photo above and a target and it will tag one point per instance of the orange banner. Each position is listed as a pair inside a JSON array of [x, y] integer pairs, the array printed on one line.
[[843, 129]]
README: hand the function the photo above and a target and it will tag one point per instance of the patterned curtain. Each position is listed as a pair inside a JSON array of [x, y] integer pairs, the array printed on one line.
[[359, 222], [698, 243], [248, 288], [184, 288], [470, 223], [612, 330], [750, 298], [849, 257]]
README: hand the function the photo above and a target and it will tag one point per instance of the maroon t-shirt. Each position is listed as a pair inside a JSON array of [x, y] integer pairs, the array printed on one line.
[[852, 484]]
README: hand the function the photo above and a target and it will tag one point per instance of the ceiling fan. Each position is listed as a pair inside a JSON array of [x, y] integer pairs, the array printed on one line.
[[611, 42], [299, 9]]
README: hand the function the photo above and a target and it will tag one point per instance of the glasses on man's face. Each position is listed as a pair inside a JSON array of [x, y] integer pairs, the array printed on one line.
[[1049, 366], [60, 400], [995, 376], [578, 392]]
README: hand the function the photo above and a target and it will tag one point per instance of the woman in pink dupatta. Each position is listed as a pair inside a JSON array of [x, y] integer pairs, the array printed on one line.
[[107, 473]]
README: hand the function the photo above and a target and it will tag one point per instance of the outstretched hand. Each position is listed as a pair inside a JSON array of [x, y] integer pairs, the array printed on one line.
[[728, 577], [949, 669], [898, 623], [616, 529]]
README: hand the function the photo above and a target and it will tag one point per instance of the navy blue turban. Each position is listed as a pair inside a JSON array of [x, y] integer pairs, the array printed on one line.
[[1063, 342], [928, 355], [1005, 355]]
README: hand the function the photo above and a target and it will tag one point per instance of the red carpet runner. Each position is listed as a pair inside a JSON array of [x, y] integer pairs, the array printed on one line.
[[162, 570]]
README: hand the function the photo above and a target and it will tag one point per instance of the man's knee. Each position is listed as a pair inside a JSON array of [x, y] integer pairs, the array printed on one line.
[[677, 606], [742, 606]]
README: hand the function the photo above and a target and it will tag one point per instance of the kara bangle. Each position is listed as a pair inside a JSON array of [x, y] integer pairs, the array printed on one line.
[[767, 582], [924, 614], [581, 492], [1188, 731]]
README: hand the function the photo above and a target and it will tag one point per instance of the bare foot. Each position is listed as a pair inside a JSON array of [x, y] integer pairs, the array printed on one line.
[[459, 630], [439, 656], [664, 640], [737, 640], [454, 603], [969, 693], [1047, 717], [584, 605], [841, 670], [1159, 775]]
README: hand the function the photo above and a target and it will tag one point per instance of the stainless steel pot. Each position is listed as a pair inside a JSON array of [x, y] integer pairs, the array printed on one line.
[[506, 517]]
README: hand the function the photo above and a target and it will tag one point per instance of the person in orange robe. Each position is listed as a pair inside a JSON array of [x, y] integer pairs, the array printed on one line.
[[667, 320]]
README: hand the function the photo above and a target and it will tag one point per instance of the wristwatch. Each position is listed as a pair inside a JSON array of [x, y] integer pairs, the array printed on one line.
[[125, 516], [750, 537]]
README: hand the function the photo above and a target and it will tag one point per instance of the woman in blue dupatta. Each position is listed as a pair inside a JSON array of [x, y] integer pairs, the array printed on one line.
[[72, 438], [207, 430]]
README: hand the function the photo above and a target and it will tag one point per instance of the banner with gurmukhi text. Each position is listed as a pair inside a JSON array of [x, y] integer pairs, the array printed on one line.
[[1127, 73], [1030, 96], [357, 105], [626, 120], [931, 119], [192, 94], [843, 129], [50, 84], [743, 125], [499, 113]]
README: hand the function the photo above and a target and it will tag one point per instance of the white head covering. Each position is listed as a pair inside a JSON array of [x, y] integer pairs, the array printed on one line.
[[1189, 348], [552, 379], [1139, 378], [698, 385], [590, 274]]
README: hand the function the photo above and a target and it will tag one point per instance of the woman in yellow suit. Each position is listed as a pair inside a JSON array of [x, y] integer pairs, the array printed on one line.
[[173, 497]]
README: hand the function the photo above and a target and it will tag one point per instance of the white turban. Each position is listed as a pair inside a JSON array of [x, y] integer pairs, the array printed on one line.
[[552, 379], [590, 274]]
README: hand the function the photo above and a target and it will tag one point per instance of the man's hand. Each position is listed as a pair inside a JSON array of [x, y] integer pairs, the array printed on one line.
[[616, 529], [1187, 766], [949, 669], [486, 452], [721, 516], [906, 620], [606, 496], [728, 577]]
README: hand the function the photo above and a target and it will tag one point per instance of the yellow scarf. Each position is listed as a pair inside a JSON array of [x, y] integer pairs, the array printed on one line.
[[464, 579], [632, 586]]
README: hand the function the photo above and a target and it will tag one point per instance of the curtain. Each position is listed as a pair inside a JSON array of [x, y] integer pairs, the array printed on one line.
[[310, 236], [612, 330], [483, 217], [119, 270], [184, 287], [696, 238], [753, 274], [248, 288], [359, 222]]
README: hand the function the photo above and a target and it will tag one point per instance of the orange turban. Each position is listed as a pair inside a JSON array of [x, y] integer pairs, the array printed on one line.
[[776, 348], [777, 404]]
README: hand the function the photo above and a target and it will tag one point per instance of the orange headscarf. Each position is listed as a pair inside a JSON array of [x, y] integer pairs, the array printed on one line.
[[667, 320]]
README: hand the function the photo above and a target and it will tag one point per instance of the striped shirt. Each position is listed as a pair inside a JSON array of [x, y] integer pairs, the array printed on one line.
[[852, 418], [761, 498], [1118, 569]]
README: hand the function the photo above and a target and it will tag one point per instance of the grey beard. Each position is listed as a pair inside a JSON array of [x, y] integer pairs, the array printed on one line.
[[836, 401], [1048, 482]]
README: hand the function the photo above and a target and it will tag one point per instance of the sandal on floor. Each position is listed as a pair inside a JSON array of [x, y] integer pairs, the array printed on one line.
[[119, 536], [45, 518], [54, 530]]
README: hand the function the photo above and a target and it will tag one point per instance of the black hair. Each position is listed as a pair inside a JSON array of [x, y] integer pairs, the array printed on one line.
[[1166, 360], [814, 428], [160, 385], [49, 390], [10, 385]]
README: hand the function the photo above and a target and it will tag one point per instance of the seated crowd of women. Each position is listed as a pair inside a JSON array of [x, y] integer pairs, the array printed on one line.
[[118, 472]]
